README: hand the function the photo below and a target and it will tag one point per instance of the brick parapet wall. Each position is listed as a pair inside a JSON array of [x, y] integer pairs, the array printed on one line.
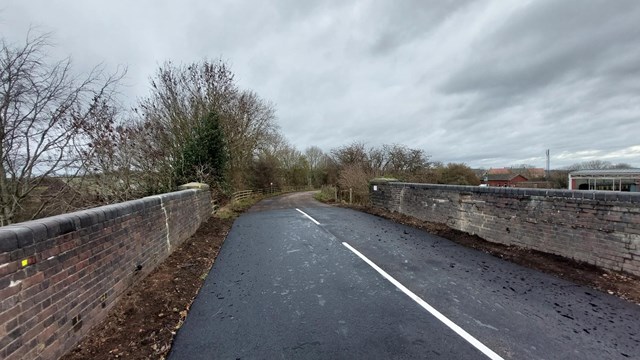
[[60, 275], [601, 228]]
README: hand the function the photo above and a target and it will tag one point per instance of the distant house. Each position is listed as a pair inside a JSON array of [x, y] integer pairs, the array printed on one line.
[[607, 180], [499, 171], [508, 180], [534, 173], [534, 184], [529, 173]]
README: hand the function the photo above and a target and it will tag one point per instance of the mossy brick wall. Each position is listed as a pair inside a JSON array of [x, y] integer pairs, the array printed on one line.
[[597, 227], [60, 275]]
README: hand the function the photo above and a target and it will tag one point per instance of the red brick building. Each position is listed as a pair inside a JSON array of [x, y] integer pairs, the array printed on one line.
[[529, 173], [504, 180]]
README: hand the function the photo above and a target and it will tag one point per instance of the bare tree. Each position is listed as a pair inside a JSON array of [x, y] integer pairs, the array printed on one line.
[[458, 174], [314, 157], [249, 125], [182, 95], [352, 154], [621, 166], [597, 165], [398, 161], [294, 166], [110, 147], [402, 160], [378, 157], [42, 110], [355, 178]]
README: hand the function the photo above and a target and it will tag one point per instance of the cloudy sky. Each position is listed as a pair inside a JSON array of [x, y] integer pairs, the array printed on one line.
[[488, 83]]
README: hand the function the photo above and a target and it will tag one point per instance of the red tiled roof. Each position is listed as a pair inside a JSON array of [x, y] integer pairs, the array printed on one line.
[[498, 171], [536, 172], [503, 177], [531, 172]]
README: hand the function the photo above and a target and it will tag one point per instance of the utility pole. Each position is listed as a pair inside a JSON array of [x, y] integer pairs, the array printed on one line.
[[548, 172]]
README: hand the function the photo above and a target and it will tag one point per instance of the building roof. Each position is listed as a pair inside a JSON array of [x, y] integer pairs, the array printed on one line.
[[502, 177], [498, 171], [635, 172], [536, 172], [530, 172]]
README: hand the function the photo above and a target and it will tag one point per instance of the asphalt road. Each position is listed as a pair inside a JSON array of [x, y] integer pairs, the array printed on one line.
[[292, 286]]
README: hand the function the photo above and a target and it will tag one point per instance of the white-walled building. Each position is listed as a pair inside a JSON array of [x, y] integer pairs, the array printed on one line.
[[608, 180]]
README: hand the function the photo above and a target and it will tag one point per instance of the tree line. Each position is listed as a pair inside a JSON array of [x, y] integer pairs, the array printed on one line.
[[67, 142]]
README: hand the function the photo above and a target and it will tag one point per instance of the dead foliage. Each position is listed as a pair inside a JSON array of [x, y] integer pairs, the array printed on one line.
[[143, 323]]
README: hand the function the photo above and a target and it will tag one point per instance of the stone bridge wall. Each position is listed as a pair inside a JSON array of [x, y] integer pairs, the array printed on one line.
[[60, 275], [597, 227]]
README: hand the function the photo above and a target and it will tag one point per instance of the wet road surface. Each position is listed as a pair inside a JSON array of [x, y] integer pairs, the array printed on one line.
[[297, 279]]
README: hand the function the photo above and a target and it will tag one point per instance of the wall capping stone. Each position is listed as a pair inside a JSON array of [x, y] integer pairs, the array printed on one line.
[[57, 270]]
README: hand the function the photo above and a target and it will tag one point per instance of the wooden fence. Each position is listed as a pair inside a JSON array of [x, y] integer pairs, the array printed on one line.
[[351, 196], [273, 190]]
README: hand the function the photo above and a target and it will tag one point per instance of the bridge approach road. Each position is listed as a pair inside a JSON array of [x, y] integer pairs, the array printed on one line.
[[297, 279]]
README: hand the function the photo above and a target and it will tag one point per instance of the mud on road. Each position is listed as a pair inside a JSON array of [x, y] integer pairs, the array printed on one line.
[[617, 283]]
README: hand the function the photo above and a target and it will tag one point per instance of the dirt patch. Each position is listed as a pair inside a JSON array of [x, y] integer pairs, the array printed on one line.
[[617, 283], [144, 321]]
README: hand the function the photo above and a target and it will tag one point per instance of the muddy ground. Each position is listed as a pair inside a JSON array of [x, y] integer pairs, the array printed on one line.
[[144, 321]]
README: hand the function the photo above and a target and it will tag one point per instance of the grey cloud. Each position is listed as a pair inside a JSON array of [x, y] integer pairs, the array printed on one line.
[[488, 83], [552, 41], [397, 23], [574, 64]]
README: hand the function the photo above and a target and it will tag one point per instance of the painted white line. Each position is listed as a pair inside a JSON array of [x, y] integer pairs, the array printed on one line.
[[310, 218], [457, 329]]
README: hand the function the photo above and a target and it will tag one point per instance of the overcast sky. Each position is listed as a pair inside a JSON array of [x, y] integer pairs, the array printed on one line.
[[488, 83]]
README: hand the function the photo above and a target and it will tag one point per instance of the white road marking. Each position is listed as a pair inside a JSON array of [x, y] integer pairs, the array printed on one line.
[[310, 218], [457, 329]]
